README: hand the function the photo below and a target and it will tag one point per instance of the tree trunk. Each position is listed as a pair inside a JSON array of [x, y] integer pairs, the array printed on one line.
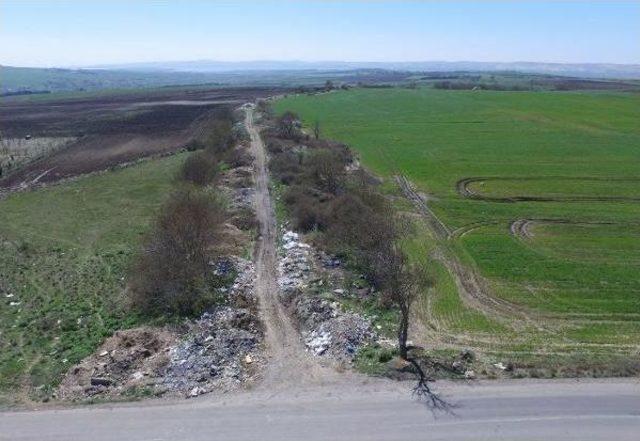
[[403, 331]]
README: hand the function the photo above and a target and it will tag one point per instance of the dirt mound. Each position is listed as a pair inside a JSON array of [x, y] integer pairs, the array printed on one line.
[[128, 360], [222, 351]]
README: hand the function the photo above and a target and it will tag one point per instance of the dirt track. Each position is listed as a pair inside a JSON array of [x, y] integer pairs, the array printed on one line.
[[521, 228], [289, 363], [470, 285]]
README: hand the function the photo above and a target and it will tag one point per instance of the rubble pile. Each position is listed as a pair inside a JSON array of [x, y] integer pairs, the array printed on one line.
[[218, 351], [237, 183], [327, 330], [218, 354], [126, 360], [340, 336], [294, 267]]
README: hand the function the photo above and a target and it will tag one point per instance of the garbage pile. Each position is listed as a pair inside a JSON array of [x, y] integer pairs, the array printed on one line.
[[219, 353], [327, 330]]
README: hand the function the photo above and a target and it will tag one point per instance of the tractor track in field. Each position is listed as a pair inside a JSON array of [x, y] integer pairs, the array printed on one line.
[[521, 228], [472, 288], [464, 190], [468, 228]]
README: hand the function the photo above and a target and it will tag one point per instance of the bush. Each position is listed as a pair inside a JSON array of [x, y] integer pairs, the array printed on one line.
[[326, 169], [199, 169], [361, 226], [306, 211], [219, 137], [286, 167], [171, 275], [237, 158]]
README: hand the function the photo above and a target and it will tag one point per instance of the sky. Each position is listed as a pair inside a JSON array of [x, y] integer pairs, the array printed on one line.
[[66, 33]]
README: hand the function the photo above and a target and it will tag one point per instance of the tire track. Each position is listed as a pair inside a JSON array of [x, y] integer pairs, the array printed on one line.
[[462, 187], [471, 287], [520, 228]]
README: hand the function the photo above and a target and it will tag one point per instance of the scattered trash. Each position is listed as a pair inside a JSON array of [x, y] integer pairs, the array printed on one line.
[[218, 351], [326, 329]]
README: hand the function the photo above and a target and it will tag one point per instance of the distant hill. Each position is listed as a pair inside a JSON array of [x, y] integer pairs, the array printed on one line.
[[586, 70], [26, 80]]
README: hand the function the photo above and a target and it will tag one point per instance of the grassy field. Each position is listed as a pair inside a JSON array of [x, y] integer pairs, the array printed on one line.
[[64, 251], [564, 164]]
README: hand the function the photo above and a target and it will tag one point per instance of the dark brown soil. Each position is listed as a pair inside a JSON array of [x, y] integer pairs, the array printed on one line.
[[113, 129]]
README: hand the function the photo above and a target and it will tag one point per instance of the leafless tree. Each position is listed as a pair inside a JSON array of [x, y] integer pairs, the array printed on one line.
[[326, 169], [171, 275], [288, 124], [402, 283], [199, 169]]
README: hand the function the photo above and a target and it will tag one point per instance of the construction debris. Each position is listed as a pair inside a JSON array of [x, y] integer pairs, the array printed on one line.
[[220, 351], [327, 330]]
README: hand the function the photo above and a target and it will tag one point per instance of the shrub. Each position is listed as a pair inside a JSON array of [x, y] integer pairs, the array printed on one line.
[[326, 169], [361, 226], [306, 212], [237, 158], [219, 137], [286, 166], [171, 274], [199, 169]]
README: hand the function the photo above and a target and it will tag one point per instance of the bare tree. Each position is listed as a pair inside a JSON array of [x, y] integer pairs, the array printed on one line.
[[171, 275], [328, 85], [326, 169], [199, 169], [288, 125], [402, 283]]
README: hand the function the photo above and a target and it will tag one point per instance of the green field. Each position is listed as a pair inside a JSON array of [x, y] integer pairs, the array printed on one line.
[[567, 161], [64, 251]]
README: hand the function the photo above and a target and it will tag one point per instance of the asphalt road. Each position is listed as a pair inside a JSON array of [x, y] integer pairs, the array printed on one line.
[[361, 410]]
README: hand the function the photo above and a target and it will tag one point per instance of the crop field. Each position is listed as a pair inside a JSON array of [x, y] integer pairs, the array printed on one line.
[[64, 251], [107, 129], [537, 198]]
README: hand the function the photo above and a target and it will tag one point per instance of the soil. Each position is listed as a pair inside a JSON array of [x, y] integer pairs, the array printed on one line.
[[112, 130]]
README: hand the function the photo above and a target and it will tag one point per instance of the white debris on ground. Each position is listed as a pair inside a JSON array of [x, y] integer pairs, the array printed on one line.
[[327, 330], [219, 351]]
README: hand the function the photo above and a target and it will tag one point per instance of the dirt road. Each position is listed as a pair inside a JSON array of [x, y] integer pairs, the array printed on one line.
[[289, 364]]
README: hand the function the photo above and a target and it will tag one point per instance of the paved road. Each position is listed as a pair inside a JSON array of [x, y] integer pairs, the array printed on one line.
[[369, 410]]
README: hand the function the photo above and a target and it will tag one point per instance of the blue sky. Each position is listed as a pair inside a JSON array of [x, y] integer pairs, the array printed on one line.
[[76, 33]]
